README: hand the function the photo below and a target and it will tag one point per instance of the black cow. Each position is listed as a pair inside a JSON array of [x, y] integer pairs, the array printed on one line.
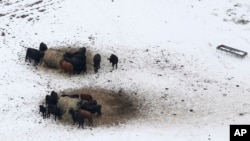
[[97, 61], [86, 103], [43, 47], [114, 60], [78, 61], [53, 109], [54, 95], [42, 110], [51, 100], [77, 117], [93, 109], [34, 54]]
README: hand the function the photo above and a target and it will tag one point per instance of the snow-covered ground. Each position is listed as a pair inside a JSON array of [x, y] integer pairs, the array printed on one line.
[[168, 56]]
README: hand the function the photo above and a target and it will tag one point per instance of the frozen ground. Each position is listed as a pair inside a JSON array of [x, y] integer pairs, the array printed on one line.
[[168, 59]]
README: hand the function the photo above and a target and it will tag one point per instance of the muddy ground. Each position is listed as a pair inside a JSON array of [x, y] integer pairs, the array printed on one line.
[[117, 107]]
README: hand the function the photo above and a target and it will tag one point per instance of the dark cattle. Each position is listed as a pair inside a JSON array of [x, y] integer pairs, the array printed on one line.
[[33, 54], [43, 47], [42, 110], [114, 60], [77, 59], [50, 100], [71, 96], [77, 117], [87, 97], [54, 95], [92, 109], [81, 50], [66, 67], [78, 62], [87, 103], [87, 115], [97, 61], [53, 109]]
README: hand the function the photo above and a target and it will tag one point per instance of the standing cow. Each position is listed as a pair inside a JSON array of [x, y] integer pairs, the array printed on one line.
[[66, 67], [34, 54], [114, 60], [97, 61], [43, 47]]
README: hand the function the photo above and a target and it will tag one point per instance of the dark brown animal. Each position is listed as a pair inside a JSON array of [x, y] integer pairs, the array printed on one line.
[[87, 97], [66, 67], [86, 115]]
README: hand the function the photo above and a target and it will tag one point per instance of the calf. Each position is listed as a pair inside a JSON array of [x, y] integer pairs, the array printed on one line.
[[66, 67], [42, 110], [97, 61], [33, 54], [114, 60]]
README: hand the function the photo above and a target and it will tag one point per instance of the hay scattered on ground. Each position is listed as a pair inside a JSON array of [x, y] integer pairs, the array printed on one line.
[[116, 107]]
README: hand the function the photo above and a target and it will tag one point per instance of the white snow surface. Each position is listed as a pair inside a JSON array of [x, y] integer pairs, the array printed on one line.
[[167, 55]]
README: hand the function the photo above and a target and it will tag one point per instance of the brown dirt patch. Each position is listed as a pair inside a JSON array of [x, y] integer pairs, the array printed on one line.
[[117, 107]]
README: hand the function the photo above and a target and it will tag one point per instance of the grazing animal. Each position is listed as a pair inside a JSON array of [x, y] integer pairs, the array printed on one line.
[[78, 61], [77, 117], [43, 47], [97, 61], [93, 109], [87, 97], [42, 110], [33, 54], [87, 103], [87, 115], [82, 50], [51, 100], [53, 109], [66, 67], [71, 95], [54, 95], [114, 60]]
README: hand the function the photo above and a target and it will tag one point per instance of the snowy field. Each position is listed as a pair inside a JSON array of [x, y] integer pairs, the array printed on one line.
[[167, 59]]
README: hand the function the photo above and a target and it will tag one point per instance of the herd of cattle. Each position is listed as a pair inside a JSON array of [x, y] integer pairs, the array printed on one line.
[[70, 62], [87, 107]]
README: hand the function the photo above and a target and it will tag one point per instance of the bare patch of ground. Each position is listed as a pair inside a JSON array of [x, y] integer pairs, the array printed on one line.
[[117, 107]]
